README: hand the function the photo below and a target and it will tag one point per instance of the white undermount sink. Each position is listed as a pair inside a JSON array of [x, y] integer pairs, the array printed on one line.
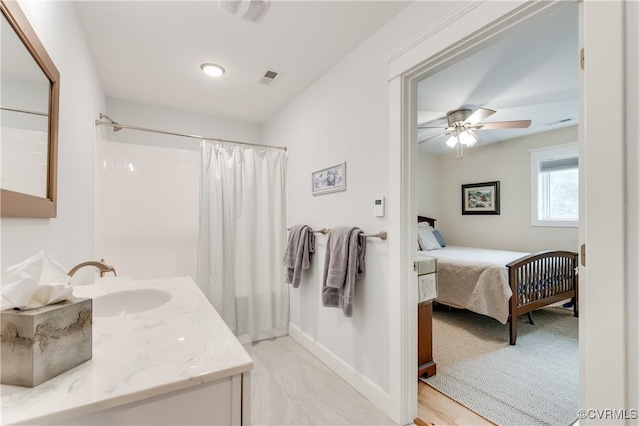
[[129, 302]]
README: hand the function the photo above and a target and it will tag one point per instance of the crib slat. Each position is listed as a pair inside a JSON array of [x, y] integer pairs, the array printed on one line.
[[543, 275]]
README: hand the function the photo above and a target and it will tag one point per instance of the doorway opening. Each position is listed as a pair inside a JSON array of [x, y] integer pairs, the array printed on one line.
[[450, 188], [520, 93]]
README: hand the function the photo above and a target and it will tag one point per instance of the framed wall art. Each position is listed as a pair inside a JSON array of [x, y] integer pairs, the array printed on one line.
[[481, 198], [331, 179]]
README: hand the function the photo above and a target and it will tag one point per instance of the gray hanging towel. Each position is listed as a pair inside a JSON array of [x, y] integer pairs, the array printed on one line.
[[300, 246], [343, 263]]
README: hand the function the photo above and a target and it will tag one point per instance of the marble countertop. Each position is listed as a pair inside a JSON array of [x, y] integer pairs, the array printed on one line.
[[180, 344]]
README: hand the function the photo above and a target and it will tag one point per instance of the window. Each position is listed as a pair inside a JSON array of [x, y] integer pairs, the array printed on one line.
[[554, 186]]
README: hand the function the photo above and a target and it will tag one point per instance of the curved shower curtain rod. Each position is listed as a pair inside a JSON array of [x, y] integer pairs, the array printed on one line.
[[117, 127]]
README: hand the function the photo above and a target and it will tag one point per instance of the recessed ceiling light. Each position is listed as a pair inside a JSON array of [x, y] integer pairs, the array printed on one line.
[[212, 70]]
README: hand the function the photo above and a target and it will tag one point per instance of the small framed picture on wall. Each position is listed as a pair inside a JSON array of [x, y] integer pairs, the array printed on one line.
[[331, 179], [481, 198]]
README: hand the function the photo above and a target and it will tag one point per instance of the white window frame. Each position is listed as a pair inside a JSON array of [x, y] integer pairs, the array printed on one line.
[[544, 154]]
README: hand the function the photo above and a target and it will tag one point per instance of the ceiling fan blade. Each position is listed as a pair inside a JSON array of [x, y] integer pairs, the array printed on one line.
[[433, 137], [479, 115], [517, 124], [434, 127]]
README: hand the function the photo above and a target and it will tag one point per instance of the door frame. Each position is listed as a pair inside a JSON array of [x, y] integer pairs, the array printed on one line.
[[458, 35]]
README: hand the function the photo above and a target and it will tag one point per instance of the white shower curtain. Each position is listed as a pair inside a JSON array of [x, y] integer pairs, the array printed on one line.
[[242, 238]]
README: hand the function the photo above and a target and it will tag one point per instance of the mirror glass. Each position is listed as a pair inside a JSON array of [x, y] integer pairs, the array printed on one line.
[[24, 116], [28, 119]]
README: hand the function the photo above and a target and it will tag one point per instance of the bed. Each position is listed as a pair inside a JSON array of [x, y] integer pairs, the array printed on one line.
[[503, 284]]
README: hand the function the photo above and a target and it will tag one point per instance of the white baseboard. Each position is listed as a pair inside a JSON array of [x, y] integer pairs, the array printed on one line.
[[357, 380]]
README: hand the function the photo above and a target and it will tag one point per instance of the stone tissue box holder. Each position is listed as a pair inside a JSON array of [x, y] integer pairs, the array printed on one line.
[[39, 344]]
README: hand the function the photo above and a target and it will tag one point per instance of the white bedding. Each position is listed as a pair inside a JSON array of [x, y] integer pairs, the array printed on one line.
[[474, 279]]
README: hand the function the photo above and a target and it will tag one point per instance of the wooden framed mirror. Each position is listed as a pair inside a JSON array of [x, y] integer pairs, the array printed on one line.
[[28, 119]]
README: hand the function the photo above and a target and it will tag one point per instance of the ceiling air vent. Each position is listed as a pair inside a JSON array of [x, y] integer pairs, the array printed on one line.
[[268, 77], [251, 10]]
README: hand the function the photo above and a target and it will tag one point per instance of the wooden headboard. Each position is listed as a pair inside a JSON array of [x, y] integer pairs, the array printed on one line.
[[430, 221]]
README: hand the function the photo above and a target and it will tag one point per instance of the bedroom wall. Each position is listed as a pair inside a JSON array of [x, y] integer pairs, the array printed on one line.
[[428, 177], [344, 116], [507, 162], [68, 238]]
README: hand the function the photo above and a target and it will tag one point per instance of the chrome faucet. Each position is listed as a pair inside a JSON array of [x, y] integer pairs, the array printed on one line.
[[103, 267]]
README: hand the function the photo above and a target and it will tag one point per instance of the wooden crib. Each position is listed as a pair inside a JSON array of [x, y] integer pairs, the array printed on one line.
[[539, 280]]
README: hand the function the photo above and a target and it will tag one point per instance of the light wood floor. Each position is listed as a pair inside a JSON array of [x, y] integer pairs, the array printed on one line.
[[435, 408], [289, 386]]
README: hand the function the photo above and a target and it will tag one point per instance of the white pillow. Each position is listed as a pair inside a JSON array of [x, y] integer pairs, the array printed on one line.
[[426, 239]]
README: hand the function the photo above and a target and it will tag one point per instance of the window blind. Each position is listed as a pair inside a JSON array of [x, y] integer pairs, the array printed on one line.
[[559, 164]]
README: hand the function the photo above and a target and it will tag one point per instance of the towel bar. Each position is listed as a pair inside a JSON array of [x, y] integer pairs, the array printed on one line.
[[382, 234], [321, 231]]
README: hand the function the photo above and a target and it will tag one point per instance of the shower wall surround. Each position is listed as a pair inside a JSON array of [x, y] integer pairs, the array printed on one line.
[[147, 209], [146, 200]]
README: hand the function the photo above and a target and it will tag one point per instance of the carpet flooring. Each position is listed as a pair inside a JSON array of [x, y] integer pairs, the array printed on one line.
[[535, 382]]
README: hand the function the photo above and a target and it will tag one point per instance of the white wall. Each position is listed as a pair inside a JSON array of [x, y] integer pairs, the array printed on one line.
[[147, 188], [344, 116], [174, 120], [68, 238], [428, 193], [510, 163]]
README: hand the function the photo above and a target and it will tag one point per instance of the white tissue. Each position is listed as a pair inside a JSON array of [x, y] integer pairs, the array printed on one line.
[[35, 282]]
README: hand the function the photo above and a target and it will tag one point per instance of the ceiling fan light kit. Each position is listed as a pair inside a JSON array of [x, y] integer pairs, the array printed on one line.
[[465, 138], [458, 116], [452, 141], [461, 125]]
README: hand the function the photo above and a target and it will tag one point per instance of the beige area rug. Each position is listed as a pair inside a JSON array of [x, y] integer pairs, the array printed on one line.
[[535, 382]]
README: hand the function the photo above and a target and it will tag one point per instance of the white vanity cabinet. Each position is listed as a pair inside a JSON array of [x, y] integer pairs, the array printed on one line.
[[173, 364], [216, 403]]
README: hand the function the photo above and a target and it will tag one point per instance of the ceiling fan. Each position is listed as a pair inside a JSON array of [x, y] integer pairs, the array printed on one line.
[[462, 124]]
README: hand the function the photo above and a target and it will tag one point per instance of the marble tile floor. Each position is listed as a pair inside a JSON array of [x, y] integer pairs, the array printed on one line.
[[289, 386]]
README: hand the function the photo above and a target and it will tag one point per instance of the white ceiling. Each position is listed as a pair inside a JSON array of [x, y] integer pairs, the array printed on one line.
[[151, 51], [530, 74]]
